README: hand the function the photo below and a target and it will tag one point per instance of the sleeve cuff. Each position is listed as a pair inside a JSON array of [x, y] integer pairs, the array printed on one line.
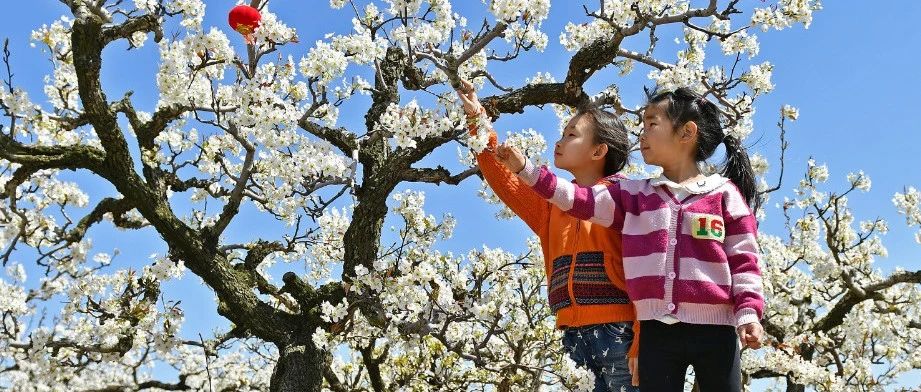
[[529, 173], [746, 316]]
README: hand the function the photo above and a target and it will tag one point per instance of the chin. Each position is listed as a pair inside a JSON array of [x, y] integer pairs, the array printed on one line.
[[649, 159]]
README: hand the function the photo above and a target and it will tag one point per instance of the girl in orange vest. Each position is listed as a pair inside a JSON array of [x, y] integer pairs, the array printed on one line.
[[585, 274]]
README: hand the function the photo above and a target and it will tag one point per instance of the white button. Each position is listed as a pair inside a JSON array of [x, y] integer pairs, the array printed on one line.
[[671, 275], [671, 306], [674, 241]]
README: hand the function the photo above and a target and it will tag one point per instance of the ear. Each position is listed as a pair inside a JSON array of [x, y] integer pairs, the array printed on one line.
[[688, 132], [600, 151]]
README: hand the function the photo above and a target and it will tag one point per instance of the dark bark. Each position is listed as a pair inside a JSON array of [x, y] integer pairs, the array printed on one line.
[[300, 368]]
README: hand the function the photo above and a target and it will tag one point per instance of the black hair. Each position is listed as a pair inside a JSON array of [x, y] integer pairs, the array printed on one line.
[[684, 105], [609, 130]]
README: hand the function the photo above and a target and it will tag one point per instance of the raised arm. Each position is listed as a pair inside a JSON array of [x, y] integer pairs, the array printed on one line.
[[597, 203], [519, 197]]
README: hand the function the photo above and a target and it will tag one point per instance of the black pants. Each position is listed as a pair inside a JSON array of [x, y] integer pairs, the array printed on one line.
[[666, 350]]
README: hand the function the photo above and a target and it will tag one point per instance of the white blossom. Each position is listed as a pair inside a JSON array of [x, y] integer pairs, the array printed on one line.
[[859, 180], [758, 78], [785, 14], [323, 62], [789, 112], [411, 123]]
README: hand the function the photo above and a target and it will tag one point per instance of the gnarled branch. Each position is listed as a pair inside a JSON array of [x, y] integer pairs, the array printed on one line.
[[437, 175]]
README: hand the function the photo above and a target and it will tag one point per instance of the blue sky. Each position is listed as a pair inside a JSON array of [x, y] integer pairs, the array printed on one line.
[[852, 74]]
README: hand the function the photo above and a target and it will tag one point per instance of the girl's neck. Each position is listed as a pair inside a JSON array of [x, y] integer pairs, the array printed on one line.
[[681, 172], [587, 176]]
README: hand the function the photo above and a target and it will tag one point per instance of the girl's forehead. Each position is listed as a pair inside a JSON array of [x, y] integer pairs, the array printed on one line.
[[575, 120], [653, 111]]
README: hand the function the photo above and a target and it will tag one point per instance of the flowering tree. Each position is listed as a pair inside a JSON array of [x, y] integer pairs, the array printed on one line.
[[246, 129], [836, 322]]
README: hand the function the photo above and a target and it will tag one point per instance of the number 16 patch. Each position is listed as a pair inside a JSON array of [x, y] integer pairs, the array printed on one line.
[[707, 226]]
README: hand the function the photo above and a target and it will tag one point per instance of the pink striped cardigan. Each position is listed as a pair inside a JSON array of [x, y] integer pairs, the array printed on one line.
[[695, 259]]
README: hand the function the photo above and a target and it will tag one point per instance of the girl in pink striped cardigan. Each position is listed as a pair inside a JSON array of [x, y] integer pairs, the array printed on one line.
[[689, 243]]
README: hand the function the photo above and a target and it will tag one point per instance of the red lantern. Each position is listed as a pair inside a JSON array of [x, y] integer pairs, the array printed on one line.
[[244, 19]]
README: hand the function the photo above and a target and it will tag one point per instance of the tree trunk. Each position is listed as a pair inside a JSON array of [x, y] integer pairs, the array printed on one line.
[[794, 387], [299, 368]]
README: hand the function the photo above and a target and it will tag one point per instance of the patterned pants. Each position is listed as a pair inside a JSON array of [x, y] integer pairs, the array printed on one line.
[[603, 348]]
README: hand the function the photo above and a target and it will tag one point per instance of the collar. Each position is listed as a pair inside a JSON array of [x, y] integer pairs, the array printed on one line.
[[612, 178], [704, 185], [606, 180]]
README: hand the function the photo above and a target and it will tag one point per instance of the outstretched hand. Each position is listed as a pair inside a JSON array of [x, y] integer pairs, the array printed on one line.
[[510, 157], [468, 97]]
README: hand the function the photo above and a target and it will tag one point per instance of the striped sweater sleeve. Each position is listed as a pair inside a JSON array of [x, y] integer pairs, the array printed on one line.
[[741, 247], [596, 204]]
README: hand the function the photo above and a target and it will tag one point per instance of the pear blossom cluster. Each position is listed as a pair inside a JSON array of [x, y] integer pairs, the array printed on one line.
[[416, 282], [410, 123], [908, 204]]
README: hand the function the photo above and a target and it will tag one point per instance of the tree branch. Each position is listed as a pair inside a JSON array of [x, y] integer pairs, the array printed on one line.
[[87, 44], [145, 23], [643, 59], [835, 315], [236, 195], [342, 138], [116, 207], [51, 157], [179, 386], [531, 95], [783, 149], [437, 175]]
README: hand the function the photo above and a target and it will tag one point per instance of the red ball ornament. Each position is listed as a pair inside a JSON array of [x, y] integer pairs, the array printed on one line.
[[244, 19]]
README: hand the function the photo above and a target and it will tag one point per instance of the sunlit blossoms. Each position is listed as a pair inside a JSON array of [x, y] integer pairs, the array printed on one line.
[[758, 78], [410, 123], [789, 112], [323, 62], [909, 204], [187, 66], [786, 13]]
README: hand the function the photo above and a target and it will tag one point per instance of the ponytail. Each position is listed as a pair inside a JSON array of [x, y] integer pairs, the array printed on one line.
[[738, 169]]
